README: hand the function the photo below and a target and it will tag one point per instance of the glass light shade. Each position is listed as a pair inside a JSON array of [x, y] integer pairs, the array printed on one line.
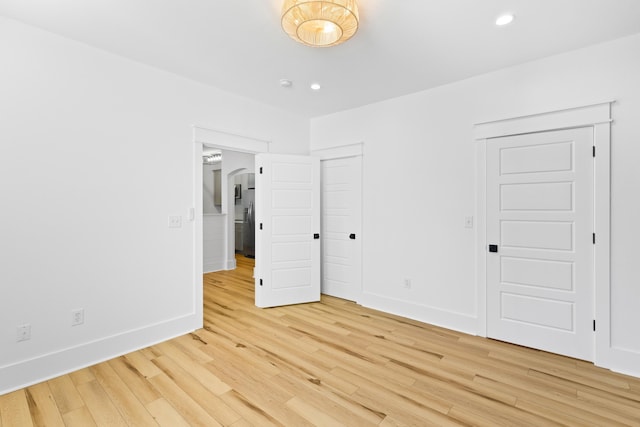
[[320, 23]]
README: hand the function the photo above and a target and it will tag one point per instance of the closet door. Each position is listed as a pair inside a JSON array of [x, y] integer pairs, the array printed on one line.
[[342, 227], [540, 224]]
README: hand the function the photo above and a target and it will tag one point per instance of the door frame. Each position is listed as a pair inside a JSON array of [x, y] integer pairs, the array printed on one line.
[[598, 117], [341, 152], [227, 141]]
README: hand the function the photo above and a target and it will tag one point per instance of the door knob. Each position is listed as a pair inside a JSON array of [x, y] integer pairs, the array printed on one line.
[[493, 248], [352, 236]]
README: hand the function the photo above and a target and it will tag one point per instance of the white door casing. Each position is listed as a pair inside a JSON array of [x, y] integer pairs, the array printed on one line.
[[342, 227], [598, 116], [540, 221], [224, 140], [288, 230]]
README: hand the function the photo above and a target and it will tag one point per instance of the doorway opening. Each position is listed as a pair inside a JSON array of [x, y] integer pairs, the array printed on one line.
[[228, 187], [208, 139]]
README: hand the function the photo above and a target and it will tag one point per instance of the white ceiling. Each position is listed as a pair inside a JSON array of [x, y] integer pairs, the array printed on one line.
[[402, 46]]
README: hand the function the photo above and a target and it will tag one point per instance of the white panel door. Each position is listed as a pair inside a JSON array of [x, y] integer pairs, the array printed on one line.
[[540, 221], [341, 227], [287, 230]]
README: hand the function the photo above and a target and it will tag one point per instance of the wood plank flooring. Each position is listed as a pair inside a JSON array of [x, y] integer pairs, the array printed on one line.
[[331, 363]]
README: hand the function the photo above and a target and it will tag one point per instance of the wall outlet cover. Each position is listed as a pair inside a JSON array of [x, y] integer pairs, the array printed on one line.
[[77, 317], [23, 332]]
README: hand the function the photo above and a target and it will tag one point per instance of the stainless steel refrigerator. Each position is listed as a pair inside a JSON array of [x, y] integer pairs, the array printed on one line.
[[249, 232]]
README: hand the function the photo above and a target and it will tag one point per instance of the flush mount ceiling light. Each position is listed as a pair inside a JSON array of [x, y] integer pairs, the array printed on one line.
[[320, 23]]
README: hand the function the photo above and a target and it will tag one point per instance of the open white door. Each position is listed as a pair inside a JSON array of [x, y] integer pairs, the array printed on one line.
[[287, 230]]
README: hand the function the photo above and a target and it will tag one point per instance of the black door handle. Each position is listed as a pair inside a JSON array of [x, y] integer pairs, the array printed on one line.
[[316, 236], [493, 248], [352, 236]]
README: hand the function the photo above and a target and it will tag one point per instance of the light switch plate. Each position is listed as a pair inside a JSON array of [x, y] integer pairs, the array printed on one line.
[[175, 221], [468, 222]]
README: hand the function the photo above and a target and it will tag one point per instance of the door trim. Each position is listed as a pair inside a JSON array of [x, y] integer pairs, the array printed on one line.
[[229, 140], [598, 117], [224, 140], [339, 152]]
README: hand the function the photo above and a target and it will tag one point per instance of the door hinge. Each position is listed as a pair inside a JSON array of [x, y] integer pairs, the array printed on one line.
[[594, 151], [594, 238], [260, 226], [594, 325], [260, 170]]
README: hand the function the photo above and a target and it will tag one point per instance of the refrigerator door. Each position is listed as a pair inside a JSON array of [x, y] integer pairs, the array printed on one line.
[[248, 233]]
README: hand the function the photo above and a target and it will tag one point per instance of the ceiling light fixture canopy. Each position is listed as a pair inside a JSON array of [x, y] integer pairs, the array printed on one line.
[[320, 23]]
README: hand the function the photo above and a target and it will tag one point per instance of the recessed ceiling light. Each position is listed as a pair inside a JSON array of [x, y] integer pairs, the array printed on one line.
[[505, 19], [315, 86], [286, 83]]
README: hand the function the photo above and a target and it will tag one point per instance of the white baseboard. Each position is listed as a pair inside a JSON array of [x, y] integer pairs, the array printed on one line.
[[231, 264], [44, 367], [210, 267], [617, 359], [433, 316], [621, 360]]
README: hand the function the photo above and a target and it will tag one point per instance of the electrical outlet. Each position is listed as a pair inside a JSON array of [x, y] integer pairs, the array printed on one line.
[[23, 332], [407, 283], [77, 317]]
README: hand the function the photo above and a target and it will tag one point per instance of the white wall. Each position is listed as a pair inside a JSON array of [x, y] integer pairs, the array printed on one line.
[[423, 144], [213, 224], [208, 189], [213, 242], [96, 152]]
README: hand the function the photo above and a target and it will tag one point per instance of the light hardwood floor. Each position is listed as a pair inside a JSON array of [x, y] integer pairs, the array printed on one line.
[[330, 363]]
